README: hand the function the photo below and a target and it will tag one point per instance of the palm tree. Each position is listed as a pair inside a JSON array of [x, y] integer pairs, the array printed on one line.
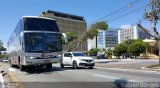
[[99, 26]]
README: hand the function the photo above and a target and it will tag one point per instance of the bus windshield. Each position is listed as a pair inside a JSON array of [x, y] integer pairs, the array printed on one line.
[[40, 42], [37, 24]]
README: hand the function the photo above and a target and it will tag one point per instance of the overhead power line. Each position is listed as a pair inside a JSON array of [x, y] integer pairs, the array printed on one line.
[[118, 11], [126, 14], [140, 20], [124, 8]]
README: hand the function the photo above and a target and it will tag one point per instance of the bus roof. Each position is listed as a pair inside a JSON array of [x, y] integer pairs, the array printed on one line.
[[37, 17]]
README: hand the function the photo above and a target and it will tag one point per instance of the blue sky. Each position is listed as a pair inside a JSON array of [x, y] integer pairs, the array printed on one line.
[[12, 10]]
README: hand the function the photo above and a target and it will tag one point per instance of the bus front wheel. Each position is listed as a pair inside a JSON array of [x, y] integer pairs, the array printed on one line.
[[21, 67], [49, 66]]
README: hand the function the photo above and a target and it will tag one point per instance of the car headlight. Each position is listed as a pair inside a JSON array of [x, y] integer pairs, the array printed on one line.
[[81, 59]]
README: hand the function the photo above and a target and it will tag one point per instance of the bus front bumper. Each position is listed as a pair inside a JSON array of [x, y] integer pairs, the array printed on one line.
[[41, 61]]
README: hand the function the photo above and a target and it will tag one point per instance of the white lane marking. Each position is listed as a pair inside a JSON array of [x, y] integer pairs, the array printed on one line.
[[2, 81], [132, 70], [114, 78], [11, 69], [68, 70]]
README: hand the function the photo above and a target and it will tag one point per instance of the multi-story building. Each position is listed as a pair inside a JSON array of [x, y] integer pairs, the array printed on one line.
[[69, 23], [108, 38], [92, 43], [111, 38], [128, 32]]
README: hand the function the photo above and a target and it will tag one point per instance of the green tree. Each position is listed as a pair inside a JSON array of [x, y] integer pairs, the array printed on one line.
[[93, 30], [107, 52], [100, 25], [120, 49], [129, 42], [137, 47], [93, 51], [156, 49], [1, 46], [90, 34], [71, 36], [2, 56]]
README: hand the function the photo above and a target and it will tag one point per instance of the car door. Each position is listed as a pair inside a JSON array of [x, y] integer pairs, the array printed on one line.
[[69, 58], [65, 57]]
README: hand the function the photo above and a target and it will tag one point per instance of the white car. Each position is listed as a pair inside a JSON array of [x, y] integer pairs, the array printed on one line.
[[5, 60], [76, 59]]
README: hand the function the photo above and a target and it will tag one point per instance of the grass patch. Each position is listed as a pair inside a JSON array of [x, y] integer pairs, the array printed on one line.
[[153, 66]]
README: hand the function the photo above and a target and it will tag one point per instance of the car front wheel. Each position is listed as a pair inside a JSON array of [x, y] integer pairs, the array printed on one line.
[[48, 66], [74, 65], [61, 64]]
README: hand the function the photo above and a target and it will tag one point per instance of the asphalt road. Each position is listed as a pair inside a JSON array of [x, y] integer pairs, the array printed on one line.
[[83, 78]]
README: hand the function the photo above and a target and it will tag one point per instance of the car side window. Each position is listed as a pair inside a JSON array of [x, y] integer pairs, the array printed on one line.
[[66, 55], [69, 54]]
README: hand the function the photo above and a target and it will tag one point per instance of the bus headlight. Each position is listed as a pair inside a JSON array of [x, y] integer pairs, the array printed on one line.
[[59, 55], [29, 57]]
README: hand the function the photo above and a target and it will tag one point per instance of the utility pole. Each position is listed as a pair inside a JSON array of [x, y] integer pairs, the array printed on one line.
[[154, 19], [153, 16]]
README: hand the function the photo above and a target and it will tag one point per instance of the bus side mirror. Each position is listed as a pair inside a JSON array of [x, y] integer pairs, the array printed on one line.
[[65, 38]]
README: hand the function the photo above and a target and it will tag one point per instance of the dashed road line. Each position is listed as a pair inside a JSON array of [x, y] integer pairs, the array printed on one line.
[[11, 69]]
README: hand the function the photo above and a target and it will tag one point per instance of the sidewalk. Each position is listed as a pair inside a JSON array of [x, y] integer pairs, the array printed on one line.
[[2, 84], [132, 64], [120, 60]]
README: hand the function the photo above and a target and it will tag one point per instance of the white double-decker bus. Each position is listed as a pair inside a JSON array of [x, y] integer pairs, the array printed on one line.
[[35, 41]]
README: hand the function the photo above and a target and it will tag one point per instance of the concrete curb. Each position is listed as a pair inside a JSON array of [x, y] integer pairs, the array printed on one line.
[[2, 81], [120, 60], [158, 70]]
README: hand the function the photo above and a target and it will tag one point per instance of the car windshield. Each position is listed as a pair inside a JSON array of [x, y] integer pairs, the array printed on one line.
[[40, 42], [78, 54]]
